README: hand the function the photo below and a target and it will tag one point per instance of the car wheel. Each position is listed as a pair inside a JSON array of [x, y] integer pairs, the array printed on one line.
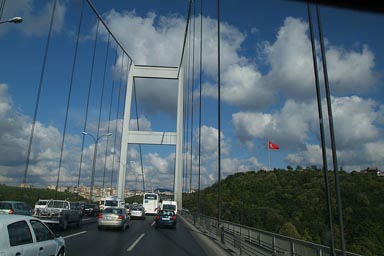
[[79, 222], [64, 225], [61, 252]]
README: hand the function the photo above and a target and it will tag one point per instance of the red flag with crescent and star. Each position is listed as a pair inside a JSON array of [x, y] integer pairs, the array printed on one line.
[[273, 145]]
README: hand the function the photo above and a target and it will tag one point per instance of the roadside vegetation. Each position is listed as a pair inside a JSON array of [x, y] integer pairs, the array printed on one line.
[[292, 202], [32, 195]]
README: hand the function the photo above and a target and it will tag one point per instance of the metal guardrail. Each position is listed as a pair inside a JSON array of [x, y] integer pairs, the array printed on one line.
[[245, 240]]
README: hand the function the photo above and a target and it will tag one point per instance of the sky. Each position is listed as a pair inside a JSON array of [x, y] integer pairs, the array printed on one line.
[[267, 88]]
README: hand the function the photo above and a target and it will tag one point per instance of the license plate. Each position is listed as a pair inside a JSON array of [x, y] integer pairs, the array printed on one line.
[[165, 218]]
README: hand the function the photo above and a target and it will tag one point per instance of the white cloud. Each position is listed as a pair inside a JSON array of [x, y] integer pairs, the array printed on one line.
[[151, 40], [355, 121], [312, 155], [290, 59], [350, 70], [209, 142], [289, 126], [143, 123], [158, 163]]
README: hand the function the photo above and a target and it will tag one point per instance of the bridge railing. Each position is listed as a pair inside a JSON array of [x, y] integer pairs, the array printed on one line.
[[245, 240]]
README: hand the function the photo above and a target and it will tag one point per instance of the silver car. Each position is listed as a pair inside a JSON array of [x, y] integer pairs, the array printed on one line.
[[137, 212], [28, 236], [114, 217]]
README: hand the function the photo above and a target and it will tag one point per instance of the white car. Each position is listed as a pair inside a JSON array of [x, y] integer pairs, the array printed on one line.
[[137, 212], [27, 236]]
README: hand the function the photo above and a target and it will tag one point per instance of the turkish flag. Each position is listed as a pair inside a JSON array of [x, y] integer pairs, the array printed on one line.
[[273, 146]]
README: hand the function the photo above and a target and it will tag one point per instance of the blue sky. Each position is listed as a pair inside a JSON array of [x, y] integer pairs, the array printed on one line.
[[267, 87]]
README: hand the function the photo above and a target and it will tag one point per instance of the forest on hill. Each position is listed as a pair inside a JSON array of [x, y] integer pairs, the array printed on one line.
[[293, 203], [32, 195]]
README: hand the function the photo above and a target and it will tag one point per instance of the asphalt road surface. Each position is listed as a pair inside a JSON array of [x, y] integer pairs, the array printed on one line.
[[141, 238]]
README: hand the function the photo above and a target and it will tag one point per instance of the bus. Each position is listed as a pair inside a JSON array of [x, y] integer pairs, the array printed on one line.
[[111, 201], [151, 203]]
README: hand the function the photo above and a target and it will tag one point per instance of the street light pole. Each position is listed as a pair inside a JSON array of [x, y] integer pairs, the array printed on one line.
[[96, 140], [12, 20], [137, 175]]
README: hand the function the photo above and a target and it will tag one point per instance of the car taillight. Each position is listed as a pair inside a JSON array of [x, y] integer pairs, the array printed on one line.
[[100, 216], [120, 217], [174, 217], [11, 211], [157, 217]]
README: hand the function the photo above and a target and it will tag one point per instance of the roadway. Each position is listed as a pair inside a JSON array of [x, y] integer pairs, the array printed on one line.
[[141, 238]]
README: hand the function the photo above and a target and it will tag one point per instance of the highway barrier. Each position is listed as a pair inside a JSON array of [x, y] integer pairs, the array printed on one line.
[[243, 240]]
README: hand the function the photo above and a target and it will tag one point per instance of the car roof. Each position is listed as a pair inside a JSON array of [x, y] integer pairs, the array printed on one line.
[[11, 202], [115, 208], [6, 219]]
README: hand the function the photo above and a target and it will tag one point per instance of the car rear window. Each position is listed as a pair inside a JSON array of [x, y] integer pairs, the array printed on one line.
[[169, 207], [5, 205], [151, 196], [168, 213], [111, 203], [113, 210], [41, 202]]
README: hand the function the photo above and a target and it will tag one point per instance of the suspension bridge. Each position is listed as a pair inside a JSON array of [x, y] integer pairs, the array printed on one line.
[[97, 68]]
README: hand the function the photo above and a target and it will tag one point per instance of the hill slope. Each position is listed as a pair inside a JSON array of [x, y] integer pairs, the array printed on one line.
[[293, 203]]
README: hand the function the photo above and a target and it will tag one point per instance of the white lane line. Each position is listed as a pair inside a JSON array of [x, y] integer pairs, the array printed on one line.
[[76, 234], [134, 244]]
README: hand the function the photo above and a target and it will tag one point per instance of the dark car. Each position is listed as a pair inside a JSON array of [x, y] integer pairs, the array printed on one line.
[[165, 218], [79, 206], [91, 209]]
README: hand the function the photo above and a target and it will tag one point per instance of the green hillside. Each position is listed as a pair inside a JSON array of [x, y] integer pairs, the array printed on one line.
[[293, 203], [31, 195]]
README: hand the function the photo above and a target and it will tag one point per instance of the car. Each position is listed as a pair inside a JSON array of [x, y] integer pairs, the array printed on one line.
[[91, 209], [165, 218], [114, 217], [26, 235], [79, 206], [128, 208], [137, 212], [15, 207]]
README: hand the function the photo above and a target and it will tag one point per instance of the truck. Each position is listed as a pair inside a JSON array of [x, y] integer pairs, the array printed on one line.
[[59, 213]]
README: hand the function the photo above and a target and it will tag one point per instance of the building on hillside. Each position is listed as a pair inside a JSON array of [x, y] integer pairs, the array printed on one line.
[[372, 171]]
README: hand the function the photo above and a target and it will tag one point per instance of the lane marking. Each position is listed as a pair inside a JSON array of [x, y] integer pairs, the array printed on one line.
[[76, 234], [137, 241]]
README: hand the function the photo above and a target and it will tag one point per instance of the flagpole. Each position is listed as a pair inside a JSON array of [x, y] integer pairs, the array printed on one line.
[[269, 157]]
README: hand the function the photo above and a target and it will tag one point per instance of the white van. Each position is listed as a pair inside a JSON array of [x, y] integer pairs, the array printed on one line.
[[111, 201], [170, 206]]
